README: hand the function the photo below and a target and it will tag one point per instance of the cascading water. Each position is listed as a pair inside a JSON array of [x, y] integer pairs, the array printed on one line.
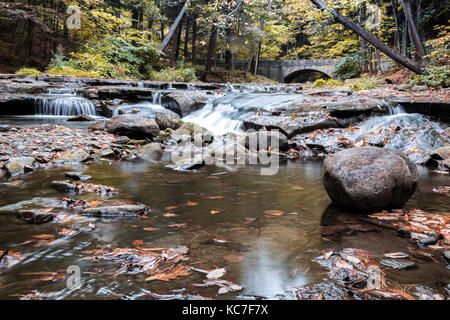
[[227, 113], [63, 102], [67, 106], [144, 109]]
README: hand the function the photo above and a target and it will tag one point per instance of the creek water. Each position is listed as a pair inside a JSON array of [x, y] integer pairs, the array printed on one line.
[[276, 252]]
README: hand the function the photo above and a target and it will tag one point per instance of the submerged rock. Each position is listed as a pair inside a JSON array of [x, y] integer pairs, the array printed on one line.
[[370, 178], [400, 264], [77, 176], [81, 117], [35, 216], [130, 210]]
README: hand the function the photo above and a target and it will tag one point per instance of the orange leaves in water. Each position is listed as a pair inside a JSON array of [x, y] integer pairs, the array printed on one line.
[[94, 203], [170, 208], [44, 236], [151, 229], [273, 213], [138, 242], [217, 197], [233, 258], [214, 211], [191, 204]]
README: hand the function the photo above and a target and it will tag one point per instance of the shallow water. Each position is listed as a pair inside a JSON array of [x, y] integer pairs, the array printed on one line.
[[276, 252]]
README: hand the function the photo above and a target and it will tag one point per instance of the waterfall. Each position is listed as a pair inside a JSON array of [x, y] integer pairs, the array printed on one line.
[[395, 109], [156, 97], [64, 106]]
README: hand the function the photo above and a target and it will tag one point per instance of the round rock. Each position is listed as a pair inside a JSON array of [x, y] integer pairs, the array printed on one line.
[[370, 178]]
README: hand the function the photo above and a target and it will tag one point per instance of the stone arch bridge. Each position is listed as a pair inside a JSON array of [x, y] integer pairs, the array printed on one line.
[[287, 70]]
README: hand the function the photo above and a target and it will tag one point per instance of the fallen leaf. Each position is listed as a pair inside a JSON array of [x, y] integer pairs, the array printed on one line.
[[233, 258], [215, 211], [216, 273], [138, 242], [273, 212], [169, 208], [44, 236], [191, 204], [217, 197], [151, 229]]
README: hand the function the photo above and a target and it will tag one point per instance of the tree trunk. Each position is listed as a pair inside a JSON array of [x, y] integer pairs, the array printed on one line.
[[174, 27], [194, 41], [177, 53], [408, 63], [397, 25], [186, 39], [228, 52], [173, 54], [258, 52], [211, 49], [415, 37]]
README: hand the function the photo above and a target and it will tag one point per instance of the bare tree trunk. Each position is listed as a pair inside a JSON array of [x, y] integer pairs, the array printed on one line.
[[372, 39], [186, 39], [415, 37], [194, 41], [173, 54], [174, 27], [397, 25], [211, 49], [228, 52]]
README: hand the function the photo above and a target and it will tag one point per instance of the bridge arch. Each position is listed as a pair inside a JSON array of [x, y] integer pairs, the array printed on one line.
[[291, 76]]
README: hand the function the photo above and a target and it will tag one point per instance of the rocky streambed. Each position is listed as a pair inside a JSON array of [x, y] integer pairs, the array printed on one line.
[[151, 172]]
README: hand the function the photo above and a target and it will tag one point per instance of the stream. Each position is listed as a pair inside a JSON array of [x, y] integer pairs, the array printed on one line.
[[217, 212]]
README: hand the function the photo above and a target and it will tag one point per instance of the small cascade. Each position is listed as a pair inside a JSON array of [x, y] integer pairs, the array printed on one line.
[[227, 113], [395, 109], [65, 106], [63, 102], [143, 109], [156, 97]]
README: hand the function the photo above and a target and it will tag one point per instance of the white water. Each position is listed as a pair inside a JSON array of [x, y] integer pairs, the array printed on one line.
[[64, 105], [145, 109], [227, 113]]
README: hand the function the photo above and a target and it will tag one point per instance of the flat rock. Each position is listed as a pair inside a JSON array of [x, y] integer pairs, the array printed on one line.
[[81, 117], [131, 210], [78, 176], [74, 155], [399, 264]]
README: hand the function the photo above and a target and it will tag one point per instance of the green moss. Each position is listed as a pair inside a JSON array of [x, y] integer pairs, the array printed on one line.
[[29, 72]]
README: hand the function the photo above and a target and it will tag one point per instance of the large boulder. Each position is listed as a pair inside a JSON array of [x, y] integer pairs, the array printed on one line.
[[370, 178], [133, 126], [185, 102]]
